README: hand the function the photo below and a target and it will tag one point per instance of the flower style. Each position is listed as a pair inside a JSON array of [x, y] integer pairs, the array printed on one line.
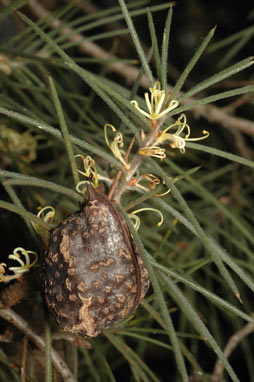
[[46, 217], [116, 145], [175, 139], [133, 216], [23, 267], [155, 103]]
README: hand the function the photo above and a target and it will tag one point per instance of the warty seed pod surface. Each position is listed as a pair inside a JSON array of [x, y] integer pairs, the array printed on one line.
[[92, 275]]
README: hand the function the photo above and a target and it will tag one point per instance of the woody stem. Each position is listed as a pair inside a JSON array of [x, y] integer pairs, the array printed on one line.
[[117, 178]]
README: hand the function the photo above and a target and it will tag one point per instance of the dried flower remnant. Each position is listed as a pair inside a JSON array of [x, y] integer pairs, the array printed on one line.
[[150, 178], [24, 264]]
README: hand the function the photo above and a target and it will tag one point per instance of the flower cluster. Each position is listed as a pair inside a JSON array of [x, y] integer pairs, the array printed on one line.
[[180, 130], [176, 134]]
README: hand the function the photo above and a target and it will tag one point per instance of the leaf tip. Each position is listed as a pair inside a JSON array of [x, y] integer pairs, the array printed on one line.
[[172, 4], [239, 297]]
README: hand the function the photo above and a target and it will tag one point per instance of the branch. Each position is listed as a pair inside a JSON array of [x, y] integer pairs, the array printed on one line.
[[88, 47], [230, 347], [212, 113], [14, 319], [215, 114]]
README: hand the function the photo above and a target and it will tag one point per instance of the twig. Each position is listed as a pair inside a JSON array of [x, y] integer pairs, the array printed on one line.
[[23, 361], [215, 114], [7, 335], [88, 47], [13, 318], [212, 113], [230, 347]]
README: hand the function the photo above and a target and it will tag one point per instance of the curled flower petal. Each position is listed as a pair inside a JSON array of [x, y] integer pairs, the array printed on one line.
[[133, 215], [153, 151], [116, 145], [136, 221], [79, 187], [154, 180], [46, 217], [49, 216]]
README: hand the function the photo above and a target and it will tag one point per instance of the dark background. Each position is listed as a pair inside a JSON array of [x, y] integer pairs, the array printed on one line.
[[192, 19]]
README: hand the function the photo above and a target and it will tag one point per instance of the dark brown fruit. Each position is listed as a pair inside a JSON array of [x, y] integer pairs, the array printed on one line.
[[92, 275]]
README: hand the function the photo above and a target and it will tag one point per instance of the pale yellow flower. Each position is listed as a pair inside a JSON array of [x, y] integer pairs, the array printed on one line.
[[175, 139], [47, 214], [155, 103], [24, 264]]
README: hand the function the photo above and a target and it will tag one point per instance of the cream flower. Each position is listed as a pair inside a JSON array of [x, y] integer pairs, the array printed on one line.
[[155, 102], [176, 141], [24, 264]]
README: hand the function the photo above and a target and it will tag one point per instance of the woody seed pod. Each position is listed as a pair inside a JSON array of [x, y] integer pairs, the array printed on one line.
[[93, 276]]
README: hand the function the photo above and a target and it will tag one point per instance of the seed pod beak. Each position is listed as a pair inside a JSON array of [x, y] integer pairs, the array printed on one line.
[[91, 192]]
